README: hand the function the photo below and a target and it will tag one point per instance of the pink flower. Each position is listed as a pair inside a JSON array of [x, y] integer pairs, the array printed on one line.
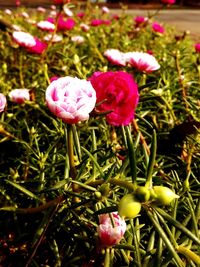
[[118, 94], [3, 102], [19, 95], [140, 20], [63, 23], [115, 56], [168, 2], [109, 234], [71, 99], [156, 27], [46, 25], [142, 61], [197, 47], [18, 2]]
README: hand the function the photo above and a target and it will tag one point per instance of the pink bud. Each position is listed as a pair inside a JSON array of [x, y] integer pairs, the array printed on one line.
[[108, 233]]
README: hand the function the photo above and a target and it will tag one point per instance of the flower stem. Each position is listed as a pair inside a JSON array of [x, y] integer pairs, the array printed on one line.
[[70, 148]]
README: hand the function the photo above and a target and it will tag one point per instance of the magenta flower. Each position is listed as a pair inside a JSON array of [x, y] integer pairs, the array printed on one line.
[[156, 27], [168, 2], [115, 56], [19, 95], [140, 20], [46, 25], [71, 99], [98, 22], [118, 94], [142, 61], [80, 14], [63, 23], [109, 234], [3, 102], [197, 47], [38, 48]]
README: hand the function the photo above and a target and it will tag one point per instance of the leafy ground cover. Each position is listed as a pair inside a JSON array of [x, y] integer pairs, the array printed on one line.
[[99, 139]]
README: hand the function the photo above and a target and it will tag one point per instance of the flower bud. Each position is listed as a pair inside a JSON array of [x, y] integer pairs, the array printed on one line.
[[129, 207], [110, 232], [163, 195], [142, 193]]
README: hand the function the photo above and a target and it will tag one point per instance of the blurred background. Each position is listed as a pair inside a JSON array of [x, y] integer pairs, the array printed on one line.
[[179, 3]]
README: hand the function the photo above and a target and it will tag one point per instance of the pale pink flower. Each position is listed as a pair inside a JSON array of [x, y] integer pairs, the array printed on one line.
[[3, 102], [67, 11], [71, 99], [41, 9], [156, 27], [19, 95], [24, 39], [142, 61], [8, 11], [105, 9], [46, 25], [78, 39], [84, 27], [108, 233], [115, 56], [55, 38], [25, 15]]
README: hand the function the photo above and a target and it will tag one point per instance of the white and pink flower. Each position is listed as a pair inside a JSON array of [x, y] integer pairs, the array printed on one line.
[[108, 233], [142, 61], [24, 39], [19, 96], [46, 25], [115, 57], [71, 99]]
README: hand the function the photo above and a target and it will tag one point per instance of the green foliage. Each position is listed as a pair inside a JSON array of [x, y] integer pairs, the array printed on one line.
[[48, 217]]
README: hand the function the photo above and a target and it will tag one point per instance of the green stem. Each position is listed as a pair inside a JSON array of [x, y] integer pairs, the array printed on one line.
[[162, 234]]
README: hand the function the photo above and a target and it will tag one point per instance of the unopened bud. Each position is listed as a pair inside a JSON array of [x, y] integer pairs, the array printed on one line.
[[163, 195], [129, 207]]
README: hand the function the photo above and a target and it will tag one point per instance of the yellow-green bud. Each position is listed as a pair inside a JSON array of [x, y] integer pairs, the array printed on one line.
[[164, 195], [129, 207], [142, 193]]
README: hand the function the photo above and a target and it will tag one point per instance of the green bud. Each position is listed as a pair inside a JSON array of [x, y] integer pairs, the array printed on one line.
[[105, 190], [142, 193], [129, 207], [164, 195]]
